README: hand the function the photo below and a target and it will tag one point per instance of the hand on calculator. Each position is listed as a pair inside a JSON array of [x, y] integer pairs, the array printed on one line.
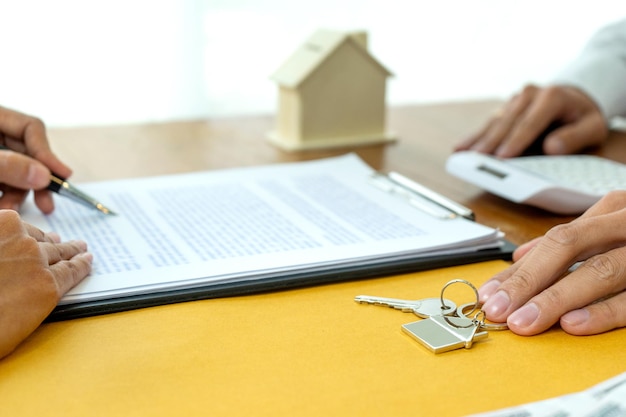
[[526, 117]]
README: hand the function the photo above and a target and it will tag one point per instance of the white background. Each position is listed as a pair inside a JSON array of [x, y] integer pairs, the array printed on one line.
[[74, 62]]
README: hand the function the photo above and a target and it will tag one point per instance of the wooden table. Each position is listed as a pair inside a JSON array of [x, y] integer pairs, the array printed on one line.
[[306, 351], [426, 134]]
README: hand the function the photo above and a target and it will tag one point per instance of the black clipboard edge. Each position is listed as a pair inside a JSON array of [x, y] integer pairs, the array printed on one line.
[[282, 282]]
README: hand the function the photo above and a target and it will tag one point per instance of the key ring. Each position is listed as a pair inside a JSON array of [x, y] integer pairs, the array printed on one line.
[[462, 281], [460, 311]]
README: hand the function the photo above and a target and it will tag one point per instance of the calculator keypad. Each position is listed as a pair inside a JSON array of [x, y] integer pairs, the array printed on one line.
[[587, 173]]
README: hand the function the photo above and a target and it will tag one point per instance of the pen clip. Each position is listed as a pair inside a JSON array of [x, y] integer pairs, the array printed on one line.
[[419, 196]]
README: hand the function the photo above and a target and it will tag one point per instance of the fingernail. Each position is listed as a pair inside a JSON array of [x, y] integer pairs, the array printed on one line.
[[55, 237], [576, 317], [488, 290], [554, 146], [497, 304], [80, 243], [88, 256], [502, 152], [38, 176], [478, 147], [524, 316]]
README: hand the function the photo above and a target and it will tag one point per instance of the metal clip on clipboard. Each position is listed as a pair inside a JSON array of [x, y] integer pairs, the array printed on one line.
[[419, 196]]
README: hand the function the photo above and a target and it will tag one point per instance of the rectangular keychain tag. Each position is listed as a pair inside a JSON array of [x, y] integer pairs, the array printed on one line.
[[442, 334]]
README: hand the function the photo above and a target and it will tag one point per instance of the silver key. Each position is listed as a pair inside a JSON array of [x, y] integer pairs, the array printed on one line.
[[424, 308], [442, 333]]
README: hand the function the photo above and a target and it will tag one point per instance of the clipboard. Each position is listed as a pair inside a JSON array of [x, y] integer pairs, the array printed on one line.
[[277, 283], [425, 207]]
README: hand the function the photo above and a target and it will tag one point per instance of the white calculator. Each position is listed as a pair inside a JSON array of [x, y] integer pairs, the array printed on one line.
[[567, 184]]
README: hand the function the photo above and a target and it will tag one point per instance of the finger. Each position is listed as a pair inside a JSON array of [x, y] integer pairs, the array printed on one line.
[[16, 145], [68, 273], [596, 318], [57, 252], [39, 235], [524, 249], [501, 126], [468, 142], [589, 131], [472, 140], [598, 276], [490, 287], [44, 201], [493, 132], [22, 172], [544, 109], [31, 131], [12, 198], [553, 255], [611, 202]]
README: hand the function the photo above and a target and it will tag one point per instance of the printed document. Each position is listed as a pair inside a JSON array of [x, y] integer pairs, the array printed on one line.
[[607, 399], [190, 230]]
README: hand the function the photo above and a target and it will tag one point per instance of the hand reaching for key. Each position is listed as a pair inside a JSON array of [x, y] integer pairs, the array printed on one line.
[[36, 270], [536, 292], [528, 114]]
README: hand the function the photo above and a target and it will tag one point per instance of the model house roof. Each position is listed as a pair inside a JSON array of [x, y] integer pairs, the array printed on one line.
[[315, 50]]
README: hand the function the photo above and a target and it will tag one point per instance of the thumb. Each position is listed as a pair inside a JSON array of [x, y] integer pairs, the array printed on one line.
[[21, 171]]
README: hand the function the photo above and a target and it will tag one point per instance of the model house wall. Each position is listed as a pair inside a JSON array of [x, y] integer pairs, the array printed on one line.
[[331, 93]]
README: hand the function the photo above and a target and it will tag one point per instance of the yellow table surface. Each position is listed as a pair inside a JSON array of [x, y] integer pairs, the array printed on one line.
[[302, 352]]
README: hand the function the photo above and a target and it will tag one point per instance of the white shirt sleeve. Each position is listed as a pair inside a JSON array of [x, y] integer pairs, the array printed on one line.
[[600, 70]]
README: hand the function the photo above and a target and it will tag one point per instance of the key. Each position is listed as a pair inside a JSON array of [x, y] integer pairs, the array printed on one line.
[[443, 334], [424, 308], [479, 317]]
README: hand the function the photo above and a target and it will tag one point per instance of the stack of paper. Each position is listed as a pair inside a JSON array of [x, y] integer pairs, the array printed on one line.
[[251, 226]]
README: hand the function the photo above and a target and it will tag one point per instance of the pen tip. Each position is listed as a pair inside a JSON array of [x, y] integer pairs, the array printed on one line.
[[105, 210]]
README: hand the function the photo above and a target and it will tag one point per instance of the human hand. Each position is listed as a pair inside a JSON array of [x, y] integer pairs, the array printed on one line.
[[537, 291], [30, 165], [36, 270], [528, 114]]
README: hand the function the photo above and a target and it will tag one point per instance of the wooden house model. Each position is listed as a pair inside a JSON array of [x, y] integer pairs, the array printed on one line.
[[331, 93]]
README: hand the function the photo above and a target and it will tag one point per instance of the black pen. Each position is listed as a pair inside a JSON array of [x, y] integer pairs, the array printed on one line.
[[60, 186]]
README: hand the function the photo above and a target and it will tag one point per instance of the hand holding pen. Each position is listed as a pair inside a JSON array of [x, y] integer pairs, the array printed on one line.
[[32, 165], [36, 268]]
